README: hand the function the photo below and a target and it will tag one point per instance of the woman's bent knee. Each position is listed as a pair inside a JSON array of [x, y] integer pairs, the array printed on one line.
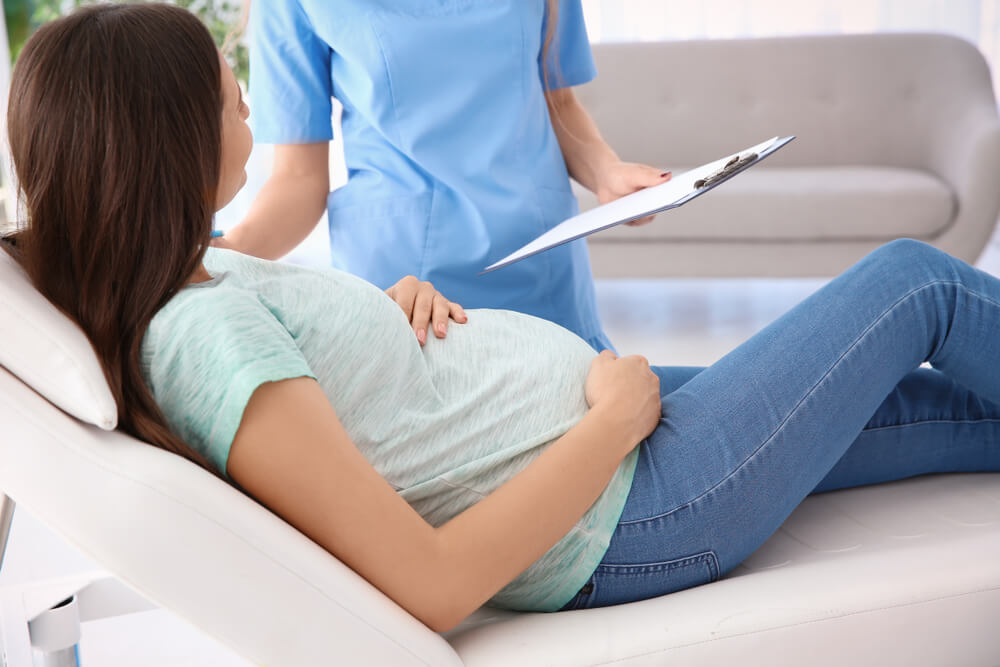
[[904, 258], [910, 252]]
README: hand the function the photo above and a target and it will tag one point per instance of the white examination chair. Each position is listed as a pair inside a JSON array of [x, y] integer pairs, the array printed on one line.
[[899, 574]]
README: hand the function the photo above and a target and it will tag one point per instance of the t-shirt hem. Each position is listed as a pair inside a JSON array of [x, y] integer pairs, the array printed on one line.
[[574, 578], [585, 567]]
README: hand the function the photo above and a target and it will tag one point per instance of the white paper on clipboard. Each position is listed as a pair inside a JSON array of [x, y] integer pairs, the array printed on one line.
[[675, 192]]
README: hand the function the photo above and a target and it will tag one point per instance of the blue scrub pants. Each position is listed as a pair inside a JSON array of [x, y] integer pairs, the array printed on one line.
[[831, 395]]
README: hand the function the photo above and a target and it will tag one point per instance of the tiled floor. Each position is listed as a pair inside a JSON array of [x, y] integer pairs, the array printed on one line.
[[689, 322]]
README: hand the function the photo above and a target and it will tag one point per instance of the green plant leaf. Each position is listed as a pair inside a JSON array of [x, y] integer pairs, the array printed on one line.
[[221, 17]]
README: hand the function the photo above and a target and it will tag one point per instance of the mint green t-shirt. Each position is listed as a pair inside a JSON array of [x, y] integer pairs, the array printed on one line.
[[445, 424]]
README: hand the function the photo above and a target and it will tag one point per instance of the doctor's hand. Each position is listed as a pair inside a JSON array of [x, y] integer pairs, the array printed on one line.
[[425, 306], [624, 178]]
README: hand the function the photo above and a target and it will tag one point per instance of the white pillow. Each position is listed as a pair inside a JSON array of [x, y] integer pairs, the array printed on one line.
[[50, 353]]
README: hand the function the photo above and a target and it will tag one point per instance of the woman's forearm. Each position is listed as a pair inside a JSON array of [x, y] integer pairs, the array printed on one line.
[[289, 204], [320, 482], [489, 544], [585, 151]]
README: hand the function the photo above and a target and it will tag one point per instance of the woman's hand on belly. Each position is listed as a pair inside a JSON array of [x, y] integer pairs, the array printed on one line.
[[425, 306], [626, 391]]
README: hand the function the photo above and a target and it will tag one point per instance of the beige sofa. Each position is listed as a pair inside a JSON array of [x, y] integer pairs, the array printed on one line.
[[898, 136]]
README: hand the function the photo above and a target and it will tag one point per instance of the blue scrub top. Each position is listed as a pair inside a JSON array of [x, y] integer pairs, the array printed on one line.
[[451, 156]]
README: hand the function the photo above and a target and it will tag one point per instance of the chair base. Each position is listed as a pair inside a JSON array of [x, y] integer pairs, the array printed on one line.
[[40, 623]]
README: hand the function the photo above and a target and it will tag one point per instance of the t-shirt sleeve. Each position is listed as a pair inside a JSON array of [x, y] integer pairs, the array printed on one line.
[[205, 357], [290, 86], [569, 61]]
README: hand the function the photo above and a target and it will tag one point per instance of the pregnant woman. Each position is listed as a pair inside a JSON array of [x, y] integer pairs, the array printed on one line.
[[505, 463]]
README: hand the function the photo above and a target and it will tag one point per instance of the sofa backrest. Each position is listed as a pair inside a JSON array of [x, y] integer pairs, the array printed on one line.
[[850, 99]]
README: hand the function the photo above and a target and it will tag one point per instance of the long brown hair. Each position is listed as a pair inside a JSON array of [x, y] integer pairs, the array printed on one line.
[[115, 129]]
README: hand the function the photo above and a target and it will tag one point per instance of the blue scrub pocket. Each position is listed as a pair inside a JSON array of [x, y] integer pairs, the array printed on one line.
[[379, 239]]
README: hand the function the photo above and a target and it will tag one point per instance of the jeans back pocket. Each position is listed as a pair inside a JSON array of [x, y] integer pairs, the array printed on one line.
[[618, 584]]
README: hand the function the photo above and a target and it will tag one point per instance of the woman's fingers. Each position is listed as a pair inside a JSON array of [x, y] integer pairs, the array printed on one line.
[[443, 310], [403, 293], [425, 307], [439, 316], [423, 304]]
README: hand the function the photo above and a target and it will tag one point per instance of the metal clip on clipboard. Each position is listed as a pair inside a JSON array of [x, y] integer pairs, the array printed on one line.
[[735, 164]]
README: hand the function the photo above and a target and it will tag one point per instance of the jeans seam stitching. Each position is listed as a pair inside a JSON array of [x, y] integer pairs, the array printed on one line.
[[921, 422], [805, 396], [667, 565]]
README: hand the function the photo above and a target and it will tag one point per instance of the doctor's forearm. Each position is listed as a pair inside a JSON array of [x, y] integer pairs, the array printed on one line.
[[283, 214], [585, 151]]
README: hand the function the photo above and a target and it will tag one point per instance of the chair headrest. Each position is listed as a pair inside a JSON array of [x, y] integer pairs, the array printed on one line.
[[49, 352]]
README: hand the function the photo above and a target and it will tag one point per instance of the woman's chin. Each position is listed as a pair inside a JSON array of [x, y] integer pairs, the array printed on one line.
[[223, 201]]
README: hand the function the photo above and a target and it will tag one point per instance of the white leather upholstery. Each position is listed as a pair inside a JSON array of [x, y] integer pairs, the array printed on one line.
[[198, 547], [899, 574], [51, 353], [918, 109]]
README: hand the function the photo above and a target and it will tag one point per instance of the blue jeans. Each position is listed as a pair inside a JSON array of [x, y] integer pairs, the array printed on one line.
[[831, 395]]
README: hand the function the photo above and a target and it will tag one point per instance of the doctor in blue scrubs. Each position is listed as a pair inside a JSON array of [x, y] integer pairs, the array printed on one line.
[[460, 132]]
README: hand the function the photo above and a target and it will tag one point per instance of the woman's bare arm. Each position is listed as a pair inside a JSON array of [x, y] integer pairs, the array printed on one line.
[[289, 204], [292, 453]]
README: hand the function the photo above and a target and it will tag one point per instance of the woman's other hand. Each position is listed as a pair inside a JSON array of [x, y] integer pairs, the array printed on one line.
[[626, 390], [425, 306], [624, 178]]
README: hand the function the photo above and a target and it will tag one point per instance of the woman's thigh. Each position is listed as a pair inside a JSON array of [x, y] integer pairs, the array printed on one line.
[[668, 540], [741, 443], [673, 378]]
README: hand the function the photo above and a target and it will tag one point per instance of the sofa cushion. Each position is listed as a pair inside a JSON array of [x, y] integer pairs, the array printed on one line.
[[803, 204], [48, 351]]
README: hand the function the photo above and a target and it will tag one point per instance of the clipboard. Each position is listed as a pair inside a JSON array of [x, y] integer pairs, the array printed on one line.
[[678, 191]]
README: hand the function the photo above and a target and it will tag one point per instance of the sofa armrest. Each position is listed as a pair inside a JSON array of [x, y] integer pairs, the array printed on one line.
[[966, 156]]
